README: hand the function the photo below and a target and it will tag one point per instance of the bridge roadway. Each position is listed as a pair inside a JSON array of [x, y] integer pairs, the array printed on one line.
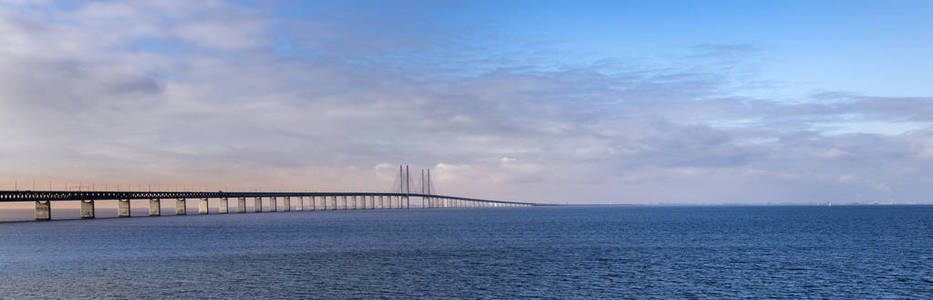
[[350, 200]]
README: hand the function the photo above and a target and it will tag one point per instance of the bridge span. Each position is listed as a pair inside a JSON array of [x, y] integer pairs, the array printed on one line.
[[315, 201]]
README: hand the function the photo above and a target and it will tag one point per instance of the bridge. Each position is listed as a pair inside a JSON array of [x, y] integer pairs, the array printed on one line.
[[304, 201], [315, 200]]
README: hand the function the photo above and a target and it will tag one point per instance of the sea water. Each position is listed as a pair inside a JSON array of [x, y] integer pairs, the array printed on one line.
[[552, 252]]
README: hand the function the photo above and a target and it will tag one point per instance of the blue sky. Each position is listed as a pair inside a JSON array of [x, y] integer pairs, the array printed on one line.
[[866, 47], [651, 102]]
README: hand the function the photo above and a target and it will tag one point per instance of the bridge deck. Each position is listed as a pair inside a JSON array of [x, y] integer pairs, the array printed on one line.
[[24, 196]]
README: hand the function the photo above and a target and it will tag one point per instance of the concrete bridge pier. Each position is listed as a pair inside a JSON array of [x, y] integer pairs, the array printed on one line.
[[313, 203], [87, 209], [287, 204], [407, 202], [300, 206], [372, 202], [273, 204], [202, 206], [180, 207], [123, 208], [365, 204], [382, 202], [333, 202], [241, 205], [155, 207], [345, 207], [224, 206], [257, 204], [43, 210]]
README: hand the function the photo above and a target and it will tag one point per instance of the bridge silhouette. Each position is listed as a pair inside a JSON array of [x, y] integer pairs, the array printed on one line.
[[315, 200]]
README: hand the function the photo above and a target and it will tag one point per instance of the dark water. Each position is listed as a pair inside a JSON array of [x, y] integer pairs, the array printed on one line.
[[558, 252]]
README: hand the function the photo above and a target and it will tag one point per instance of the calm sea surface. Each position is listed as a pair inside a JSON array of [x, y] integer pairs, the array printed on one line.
[[552, 252]]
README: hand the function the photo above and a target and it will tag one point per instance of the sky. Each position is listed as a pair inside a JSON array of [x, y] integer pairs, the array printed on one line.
[[600, 102]]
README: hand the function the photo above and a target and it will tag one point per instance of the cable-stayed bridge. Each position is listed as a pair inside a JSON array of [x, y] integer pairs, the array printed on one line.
[[262, 201]]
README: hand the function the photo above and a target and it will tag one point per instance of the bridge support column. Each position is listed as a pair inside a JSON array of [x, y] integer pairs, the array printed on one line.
[[155, 207], [382, 202], [273, 204], [333, 202], [203, 206], [87, 209], [345, 203], [257, 204], [181, 208], [355, 200], [123, 208], [241, 205], [43, 210], [300, 206], [363, 203], [313, 200], [224, 206], [287, 204], [372, 202]]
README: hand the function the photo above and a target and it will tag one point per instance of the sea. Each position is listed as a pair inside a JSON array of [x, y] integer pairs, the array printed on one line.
[[569, 252]]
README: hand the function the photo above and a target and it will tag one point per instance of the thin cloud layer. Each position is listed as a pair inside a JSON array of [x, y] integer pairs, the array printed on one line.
[[221, 96]]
